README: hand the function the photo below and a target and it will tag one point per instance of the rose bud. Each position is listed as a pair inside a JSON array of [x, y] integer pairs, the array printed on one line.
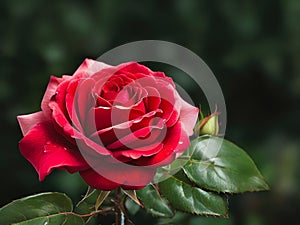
[[115, 125], [209, 125]]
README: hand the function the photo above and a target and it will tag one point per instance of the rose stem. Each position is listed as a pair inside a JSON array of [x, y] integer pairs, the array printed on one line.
[[120, 218]]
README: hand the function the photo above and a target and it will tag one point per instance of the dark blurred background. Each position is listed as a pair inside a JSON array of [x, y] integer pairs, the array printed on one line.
[[253, 47]]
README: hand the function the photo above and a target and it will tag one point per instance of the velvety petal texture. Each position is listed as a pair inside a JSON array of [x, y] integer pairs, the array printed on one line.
[[47, 151], [115, 125], [27, 122]]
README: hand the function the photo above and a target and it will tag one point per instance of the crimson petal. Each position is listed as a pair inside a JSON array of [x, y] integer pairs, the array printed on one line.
[[29, 121], [46, 150], [188, 116], [175, 143], [89, 67], [107, 176], [50, 91]]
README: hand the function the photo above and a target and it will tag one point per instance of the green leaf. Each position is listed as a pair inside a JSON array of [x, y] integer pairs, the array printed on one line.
[[90, 191], [101, 197], [65, 219], [219, 165], [87, 204], [38, 208], [132, 195], [153, 202], [186, 219], [186, 197]]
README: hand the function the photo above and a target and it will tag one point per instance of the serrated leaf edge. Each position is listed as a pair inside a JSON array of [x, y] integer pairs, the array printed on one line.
[[195, 213]]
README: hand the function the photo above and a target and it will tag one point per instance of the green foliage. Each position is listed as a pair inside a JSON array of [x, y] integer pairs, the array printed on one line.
[[186, 219], [66, 219], [219, 165], [46, 208], [153, 202], [101, 197], [88, 202], [185, 196], [212, 164]]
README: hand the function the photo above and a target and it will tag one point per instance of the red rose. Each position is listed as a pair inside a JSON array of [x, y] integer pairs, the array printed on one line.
[[114, 124]]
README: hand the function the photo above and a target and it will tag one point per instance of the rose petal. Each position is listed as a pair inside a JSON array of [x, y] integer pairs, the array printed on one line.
[[139, 152], [70, 105], [84, 98], [173, 118], [134, 67], [62, 121], [188, 116], [159, 74], [46, 150], [130, 137], [103, 76], [176, 140], [167, 109], [103, 119], [168, 101], [103, 102], [95, 180], [122, 97], [107, 176], [108, 135], [89, 67], [50, 91], [152, 101], [60, 96], [89, 146], [97, 119], [26, 122], [143, 138], [139, 106]]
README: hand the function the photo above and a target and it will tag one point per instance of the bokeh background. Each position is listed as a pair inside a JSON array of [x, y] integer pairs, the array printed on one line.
[[253, 47]]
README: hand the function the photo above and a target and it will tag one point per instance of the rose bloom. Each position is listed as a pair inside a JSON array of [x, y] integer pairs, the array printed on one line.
[[115, 125]]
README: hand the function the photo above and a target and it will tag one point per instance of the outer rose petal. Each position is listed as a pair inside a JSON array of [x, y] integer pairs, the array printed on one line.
[[50, 91], [188, 116], [134, 67], [46, 150], [89, 67], [97, 181], [118, 175], [28, 121]]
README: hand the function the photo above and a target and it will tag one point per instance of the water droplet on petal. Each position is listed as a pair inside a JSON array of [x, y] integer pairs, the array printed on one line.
[[180, 142], [65, 149]]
